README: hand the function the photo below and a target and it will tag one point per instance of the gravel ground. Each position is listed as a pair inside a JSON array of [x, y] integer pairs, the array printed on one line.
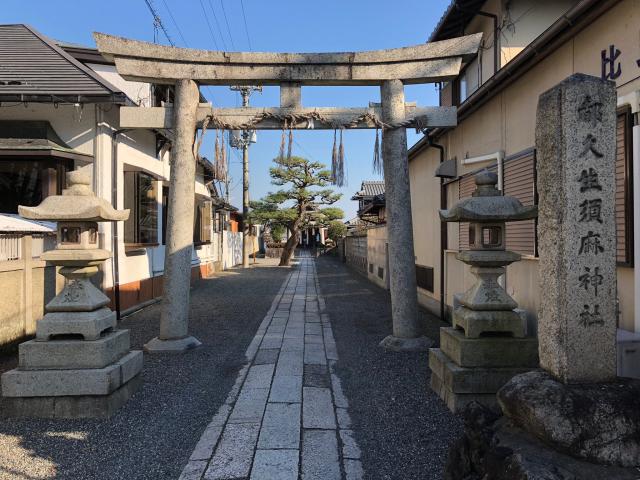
[[153, 435], [401, 426]]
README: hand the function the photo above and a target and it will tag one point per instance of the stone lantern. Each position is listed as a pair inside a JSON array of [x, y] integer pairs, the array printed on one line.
[[487, 343], [79, 364]]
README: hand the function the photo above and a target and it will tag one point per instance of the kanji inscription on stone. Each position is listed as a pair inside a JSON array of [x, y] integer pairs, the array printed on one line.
[[575, 151]]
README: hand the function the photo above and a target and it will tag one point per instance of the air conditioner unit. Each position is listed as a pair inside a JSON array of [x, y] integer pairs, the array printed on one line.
[[628, 354]]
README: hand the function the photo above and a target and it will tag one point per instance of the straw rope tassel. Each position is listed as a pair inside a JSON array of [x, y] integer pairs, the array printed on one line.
[[282, 141], [341, 177], [290, 146], [334, 158], [377, 157]]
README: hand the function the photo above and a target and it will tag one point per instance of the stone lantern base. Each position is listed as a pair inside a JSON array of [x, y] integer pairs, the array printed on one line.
[[465, 369], [79, 365]]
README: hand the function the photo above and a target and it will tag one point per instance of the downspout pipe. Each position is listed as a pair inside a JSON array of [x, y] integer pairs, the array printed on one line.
[[496, 32], [114, 228], [443, 233]]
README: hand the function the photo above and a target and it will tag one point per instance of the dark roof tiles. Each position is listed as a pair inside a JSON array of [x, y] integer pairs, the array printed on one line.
[[32, 66]]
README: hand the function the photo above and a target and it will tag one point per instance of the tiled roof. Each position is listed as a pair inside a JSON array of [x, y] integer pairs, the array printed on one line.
[[33, 68], [458, 14], [370, 188]]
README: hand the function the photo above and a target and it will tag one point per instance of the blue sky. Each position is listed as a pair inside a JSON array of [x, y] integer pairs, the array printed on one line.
[[281, 26]]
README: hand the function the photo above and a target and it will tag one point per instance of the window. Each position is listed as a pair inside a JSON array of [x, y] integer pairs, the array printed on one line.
[[624, 192], [424, 277], [165, 213], [469, 80], [28, 182], [141, 198], [202, 223]]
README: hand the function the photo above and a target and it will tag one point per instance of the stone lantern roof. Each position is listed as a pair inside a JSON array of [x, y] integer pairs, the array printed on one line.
[[487, 204], [77, 203]]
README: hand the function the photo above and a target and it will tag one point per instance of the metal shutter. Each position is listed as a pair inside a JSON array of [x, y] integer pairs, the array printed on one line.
[[623, 209], [466, 187], [519, 182]]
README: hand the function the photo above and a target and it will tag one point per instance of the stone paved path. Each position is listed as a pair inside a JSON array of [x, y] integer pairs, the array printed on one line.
[[286, 416]]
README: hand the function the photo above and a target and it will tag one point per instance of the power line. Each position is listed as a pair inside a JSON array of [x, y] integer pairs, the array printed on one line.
[[157, 22], [227, 22], [209, 25], [215, 17], [175, 24], [246, 28]]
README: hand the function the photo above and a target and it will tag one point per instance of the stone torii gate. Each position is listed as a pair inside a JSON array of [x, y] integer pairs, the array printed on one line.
[[389, 69]]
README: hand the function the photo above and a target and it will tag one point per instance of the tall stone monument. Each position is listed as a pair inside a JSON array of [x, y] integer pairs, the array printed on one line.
[[574, 419], [575, 144], [79, 364], [487, 344]]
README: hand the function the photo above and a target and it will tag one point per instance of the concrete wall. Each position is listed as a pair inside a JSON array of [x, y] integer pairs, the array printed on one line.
[[377, 256], [507, 123], [356, 252]]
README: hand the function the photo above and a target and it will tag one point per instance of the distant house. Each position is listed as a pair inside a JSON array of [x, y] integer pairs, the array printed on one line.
[[59, 110], [371, 202]]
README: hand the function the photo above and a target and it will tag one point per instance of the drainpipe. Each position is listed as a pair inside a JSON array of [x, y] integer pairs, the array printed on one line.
[[496, 32], [114, 226], [443, 234]]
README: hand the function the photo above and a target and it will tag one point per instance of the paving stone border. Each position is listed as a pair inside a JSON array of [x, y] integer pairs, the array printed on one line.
[[286, 417]]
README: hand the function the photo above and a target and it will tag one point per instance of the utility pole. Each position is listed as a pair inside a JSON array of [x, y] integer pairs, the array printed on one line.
[[243, 141]]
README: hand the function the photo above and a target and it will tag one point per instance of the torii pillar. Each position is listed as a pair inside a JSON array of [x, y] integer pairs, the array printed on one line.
[[174, 319], [407, 334]]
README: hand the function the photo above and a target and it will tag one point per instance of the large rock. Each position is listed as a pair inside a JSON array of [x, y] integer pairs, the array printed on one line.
[[596, 422], [493, 449]]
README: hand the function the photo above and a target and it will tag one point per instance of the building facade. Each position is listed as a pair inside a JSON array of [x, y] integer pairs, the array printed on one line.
[[59, 110], [529, 46]]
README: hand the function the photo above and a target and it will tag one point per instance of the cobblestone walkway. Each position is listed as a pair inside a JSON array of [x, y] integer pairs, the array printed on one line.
[[286, 416]]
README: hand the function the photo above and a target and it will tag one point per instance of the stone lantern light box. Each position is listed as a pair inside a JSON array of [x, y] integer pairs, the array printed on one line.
[[79, 364], [487, 343]]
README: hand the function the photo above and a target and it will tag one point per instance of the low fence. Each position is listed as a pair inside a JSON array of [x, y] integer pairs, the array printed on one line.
[[368, 253], [26, 282]]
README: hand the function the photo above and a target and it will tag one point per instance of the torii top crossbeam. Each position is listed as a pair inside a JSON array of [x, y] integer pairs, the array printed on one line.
[[425, 63]]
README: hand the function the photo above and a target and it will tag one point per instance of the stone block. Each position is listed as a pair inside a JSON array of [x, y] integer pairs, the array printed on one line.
[[476, 322], [280, 426], [69, 407], [320, 459], [350, 447], [473, 380], [172, 345], [89, 325], [250, 405], [53, 383], [576, 171], [286, 388], [488, 351], [317, 408], [275, 465], [458, 401], [234, 454], [74, 354], [259, 376]]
